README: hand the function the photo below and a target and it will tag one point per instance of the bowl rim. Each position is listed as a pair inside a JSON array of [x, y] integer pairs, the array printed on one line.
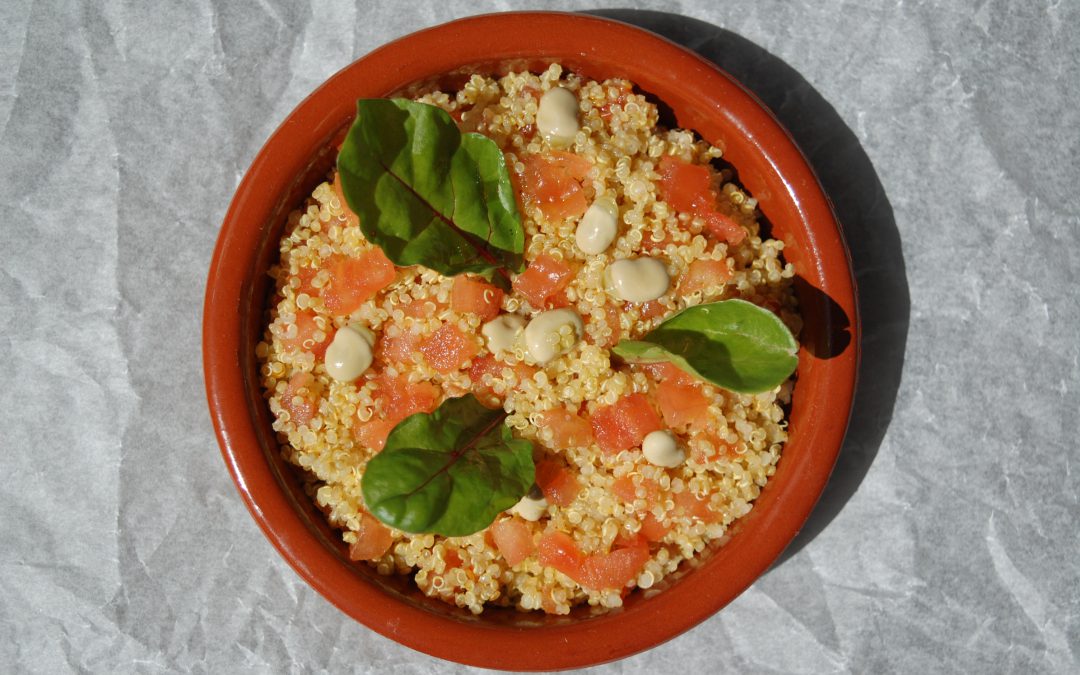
[[599, 639]]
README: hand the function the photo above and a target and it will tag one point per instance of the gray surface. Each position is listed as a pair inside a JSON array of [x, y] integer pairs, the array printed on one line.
[[947, 135]]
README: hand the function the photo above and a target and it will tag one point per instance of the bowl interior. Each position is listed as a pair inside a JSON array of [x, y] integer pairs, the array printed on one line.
[[694, 95]]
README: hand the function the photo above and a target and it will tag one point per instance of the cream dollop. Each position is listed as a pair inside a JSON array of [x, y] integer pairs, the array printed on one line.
[[661, 449], [502, 332], [637, 279], [349, 353], [552, 333], [598, 227], [556, 118]]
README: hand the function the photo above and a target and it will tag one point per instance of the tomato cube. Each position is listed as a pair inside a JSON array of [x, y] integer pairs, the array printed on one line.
[[625, 423]]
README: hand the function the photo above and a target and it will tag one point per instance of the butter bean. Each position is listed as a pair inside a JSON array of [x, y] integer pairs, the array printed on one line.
[[556, 117], [502, 332], [661, 449], [637, 279], [598, 227], [531, 506], [349, 353], [552, 333]]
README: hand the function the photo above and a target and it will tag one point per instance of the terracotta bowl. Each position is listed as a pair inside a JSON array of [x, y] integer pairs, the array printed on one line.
[[702, 98]]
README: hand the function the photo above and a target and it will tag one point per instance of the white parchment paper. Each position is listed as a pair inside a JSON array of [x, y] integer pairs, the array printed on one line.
[[946, 133]]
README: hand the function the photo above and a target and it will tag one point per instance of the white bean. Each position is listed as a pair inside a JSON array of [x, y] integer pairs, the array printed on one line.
[[531, 506], [637, 279], [556, 117], [660, 449], [349, 353], [502, 332], [545, 337], [598, 227]]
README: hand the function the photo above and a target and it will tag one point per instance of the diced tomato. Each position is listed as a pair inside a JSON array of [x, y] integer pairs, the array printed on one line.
[[558, 550], [544, 278], [626, 490], [568, 429], [721, 448], [373, 433], [489, 365], [513, 539], [400, 398], [422, 308], [452, 558], [484, 365], [723, 227], [606, 107], [351, 218], [685, 187], [652, 309], [448, 349], [652, 489], [399, 348], [307, 325], [614, 323], [481, 366], [611, 318], [704, 275], [696, 507], [616, 569], [515, 180], [652, 529], [547, 601], [558, 300], [688, 188], [558, 484], [478, 297], [654, 247], [353, 281], [554, 182], [682, 405], [624, 540], [300, 398], [625, 423], [524, 371], [602, 571], [306, 275], [666, 371], [372, 541]]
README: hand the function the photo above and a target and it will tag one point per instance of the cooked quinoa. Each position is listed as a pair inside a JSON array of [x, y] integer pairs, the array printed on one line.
[[732, 452]]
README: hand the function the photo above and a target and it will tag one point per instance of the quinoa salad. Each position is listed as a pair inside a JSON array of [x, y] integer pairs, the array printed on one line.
[[638, 465]]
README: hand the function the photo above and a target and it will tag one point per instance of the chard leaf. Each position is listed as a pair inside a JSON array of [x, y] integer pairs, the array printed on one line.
[[450, 472], [733, 343], [428, 194]]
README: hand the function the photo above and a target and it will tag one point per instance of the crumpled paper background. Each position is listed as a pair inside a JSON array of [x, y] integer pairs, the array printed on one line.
[[946, 133]]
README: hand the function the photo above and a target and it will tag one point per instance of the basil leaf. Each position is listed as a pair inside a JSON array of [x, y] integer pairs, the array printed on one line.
[[733, 343], [450, 472], [428, 194]]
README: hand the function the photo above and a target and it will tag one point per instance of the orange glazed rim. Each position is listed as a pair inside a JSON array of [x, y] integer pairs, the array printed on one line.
[[769, 165]]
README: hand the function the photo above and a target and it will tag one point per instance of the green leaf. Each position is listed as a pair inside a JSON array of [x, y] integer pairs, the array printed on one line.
[[450, 472], [428, 194], [733, 343]]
